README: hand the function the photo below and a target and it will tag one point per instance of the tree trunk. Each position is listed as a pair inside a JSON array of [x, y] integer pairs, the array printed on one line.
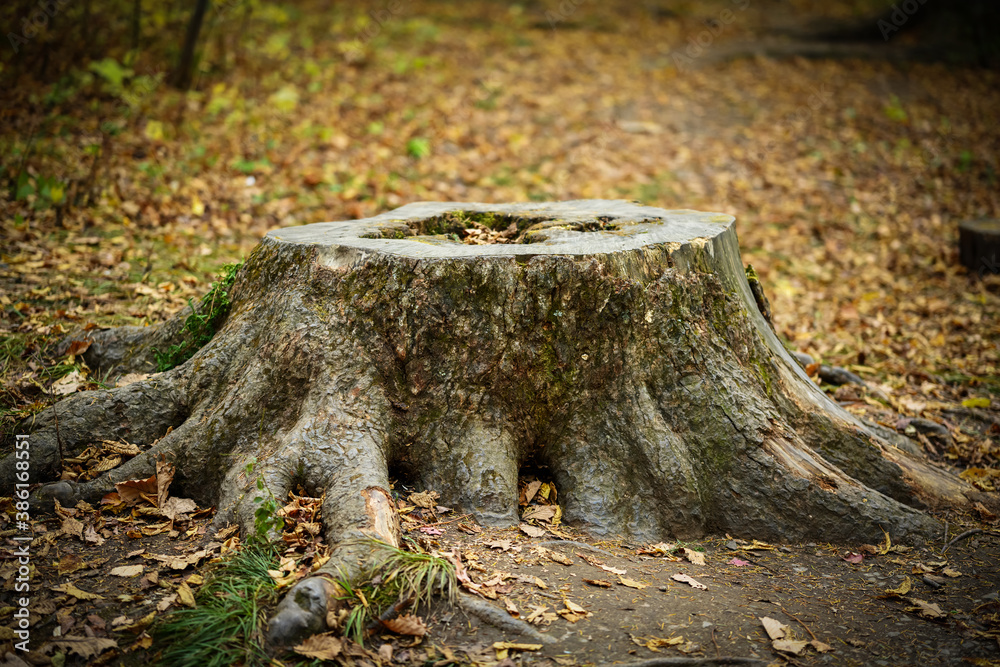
[[617, 344], [184, 75]]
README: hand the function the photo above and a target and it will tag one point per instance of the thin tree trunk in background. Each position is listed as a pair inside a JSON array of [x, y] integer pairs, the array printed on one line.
[[185, 70], [136, 18]]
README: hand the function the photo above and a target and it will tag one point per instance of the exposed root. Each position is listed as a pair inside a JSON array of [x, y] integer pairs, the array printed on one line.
[[303, 611], [500, 619]]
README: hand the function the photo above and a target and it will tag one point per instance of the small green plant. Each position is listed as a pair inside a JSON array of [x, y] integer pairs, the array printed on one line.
[[202, 323], [894, 111], [418, 147], [48, 191], [265, 517], [401, 576], [225, 626]]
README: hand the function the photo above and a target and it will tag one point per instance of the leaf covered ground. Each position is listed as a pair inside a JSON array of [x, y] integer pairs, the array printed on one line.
[[123, 198]]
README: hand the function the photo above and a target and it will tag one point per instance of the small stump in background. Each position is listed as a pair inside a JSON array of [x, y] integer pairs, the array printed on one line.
[[979, 245]]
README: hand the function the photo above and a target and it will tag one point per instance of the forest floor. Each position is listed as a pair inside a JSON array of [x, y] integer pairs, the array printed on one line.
[[123, 198]]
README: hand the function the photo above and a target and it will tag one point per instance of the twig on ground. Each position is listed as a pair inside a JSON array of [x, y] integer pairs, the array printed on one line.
[[392, 612], [441, 523], [959, 538], [717, 652], [798, 620], [582, 545]]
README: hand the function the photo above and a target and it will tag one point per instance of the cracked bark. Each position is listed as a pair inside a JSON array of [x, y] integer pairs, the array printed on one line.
[[617, 344]]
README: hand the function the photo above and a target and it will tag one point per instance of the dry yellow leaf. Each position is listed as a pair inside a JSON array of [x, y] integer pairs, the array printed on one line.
[[70, 589], [631, 583]]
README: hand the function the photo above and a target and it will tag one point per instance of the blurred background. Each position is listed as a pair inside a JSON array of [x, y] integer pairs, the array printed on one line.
[[145, 144]]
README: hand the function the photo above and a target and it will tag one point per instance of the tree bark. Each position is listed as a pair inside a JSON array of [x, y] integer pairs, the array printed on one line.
[[184, 75], [619, 345]]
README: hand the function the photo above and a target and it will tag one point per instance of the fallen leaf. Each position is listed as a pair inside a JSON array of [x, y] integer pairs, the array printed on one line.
[[794, 646], [86, 647], [78, 347], [424, 499], [70, 589], [505, 545], [531, 531], [775, 629], [166, 602], [926, 609], [886, 545], [530, 579], [683, 578], [854, 558], [502, 649], [539, 513], [180, 562], [185, 595], [68, 384], [407, 625], [70, 563], [176, 507], [531, 490], [738, 562], [559, 558], [385, 653], [133, 490], [951, 572], [71, 526], [598, 582], [820, 646], [632, 583], [511, 608], [127, 571], [613, 570], [696, 557], [903, 588], [757, 545], [323, 646]]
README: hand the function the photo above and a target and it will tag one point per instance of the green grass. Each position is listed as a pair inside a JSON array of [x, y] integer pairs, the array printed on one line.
[[226, 626], [401, 575], [202, 323]]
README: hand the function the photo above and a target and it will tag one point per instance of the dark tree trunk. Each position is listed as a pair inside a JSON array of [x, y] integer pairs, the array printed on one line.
[[617, 344], [185, 69]]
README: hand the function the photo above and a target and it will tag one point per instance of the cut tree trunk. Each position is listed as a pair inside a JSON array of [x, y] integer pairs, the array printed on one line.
[[979, 246], [618, 345]]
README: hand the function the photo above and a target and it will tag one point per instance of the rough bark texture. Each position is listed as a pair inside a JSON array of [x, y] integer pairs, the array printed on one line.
[[617, 344]]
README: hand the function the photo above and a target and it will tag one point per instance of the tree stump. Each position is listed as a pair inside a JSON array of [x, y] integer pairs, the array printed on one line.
[[618, 345], [979, 246]]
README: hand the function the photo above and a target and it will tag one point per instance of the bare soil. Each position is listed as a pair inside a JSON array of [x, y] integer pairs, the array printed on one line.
[[810, 588]]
